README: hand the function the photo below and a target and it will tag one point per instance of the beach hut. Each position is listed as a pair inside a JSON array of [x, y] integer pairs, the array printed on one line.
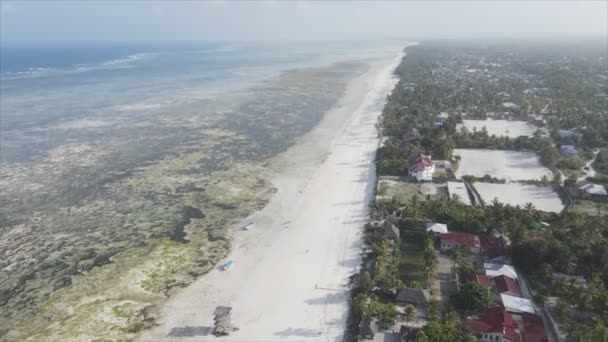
[[390, 231], [409, 295]]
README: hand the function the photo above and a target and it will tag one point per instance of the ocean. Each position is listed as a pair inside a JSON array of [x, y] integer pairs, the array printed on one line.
[[43, 86], [114, 149], [40, 83]]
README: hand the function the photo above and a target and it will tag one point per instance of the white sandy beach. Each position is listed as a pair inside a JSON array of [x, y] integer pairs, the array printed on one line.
[[290, 274]]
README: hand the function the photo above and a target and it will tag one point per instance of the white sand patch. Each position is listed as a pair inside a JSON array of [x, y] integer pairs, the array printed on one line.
[[543, 198], [83, 123], [509, 165], [512, 129], [290, 274]]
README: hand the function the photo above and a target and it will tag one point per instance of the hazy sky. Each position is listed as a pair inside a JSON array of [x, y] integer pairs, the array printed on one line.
[[107, 21]]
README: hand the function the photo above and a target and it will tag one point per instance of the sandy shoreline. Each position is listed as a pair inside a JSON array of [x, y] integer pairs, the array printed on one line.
[[290, 272]]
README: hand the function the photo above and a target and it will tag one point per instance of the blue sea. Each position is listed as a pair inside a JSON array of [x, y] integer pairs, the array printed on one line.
[[42, 84]]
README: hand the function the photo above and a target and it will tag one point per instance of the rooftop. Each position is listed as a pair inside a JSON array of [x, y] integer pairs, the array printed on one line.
[[468, 239], [412, 295], [534, 328], [506, 284], [493, 247], [479, 279], [419, 161], [594, 189], [517, 304], [496, 320], [440, 228], [495, 270], [390, 231]]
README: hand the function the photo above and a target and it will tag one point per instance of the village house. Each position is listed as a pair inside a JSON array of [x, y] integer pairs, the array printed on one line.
[[506, 285], [495, 324], [569, 150], [449, 241], [569, 135], [390, 231], [436, 228], [479, 279], [495, 270], [516, 305], [417, 297], [421, 167], [534, 329], [594, 192], [494, 250]]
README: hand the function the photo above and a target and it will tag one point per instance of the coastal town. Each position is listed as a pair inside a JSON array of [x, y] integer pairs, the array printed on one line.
[[489, 222], [304, 171]]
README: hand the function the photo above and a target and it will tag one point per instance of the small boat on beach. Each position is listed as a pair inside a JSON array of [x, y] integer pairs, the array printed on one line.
[[227, 265], [248, 226]]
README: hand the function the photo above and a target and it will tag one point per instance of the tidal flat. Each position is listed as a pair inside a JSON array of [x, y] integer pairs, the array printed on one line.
[[103, 217]]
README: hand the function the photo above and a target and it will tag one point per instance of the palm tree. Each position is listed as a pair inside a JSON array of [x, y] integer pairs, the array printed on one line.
[[529, 207], [421, 336], [410, 313], [430, 269]]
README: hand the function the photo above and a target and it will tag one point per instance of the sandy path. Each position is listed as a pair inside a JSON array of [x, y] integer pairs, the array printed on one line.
[[290, 273]]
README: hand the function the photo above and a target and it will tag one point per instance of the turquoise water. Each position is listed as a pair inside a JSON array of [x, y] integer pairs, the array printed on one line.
[[46, 84], [46, 87]]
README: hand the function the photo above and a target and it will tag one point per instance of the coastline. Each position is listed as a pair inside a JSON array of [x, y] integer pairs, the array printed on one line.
[[324, 180], [211, 176]]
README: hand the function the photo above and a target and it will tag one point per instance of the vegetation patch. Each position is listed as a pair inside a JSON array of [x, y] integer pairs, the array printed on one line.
[[411, 262]]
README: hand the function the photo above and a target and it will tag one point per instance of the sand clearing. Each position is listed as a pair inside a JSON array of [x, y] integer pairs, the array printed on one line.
[[290, 273], [512, 129], [509, 165], [543, 198]]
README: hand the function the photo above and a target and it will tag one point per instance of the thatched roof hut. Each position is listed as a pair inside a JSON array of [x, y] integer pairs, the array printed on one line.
[[390, 231]]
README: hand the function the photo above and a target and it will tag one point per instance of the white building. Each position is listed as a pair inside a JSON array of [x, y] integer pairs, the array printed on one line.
[[517, 305], [421, 167], [595, 191], [436, 228], [495, 270]]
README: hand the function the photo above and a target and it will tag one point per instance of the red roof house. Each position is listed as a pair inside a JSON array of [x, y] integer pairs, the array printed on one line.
[[421, 167], [534, 328], [507, 285], [495, 324], [494, 250], [479, 279], [450, 241]]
